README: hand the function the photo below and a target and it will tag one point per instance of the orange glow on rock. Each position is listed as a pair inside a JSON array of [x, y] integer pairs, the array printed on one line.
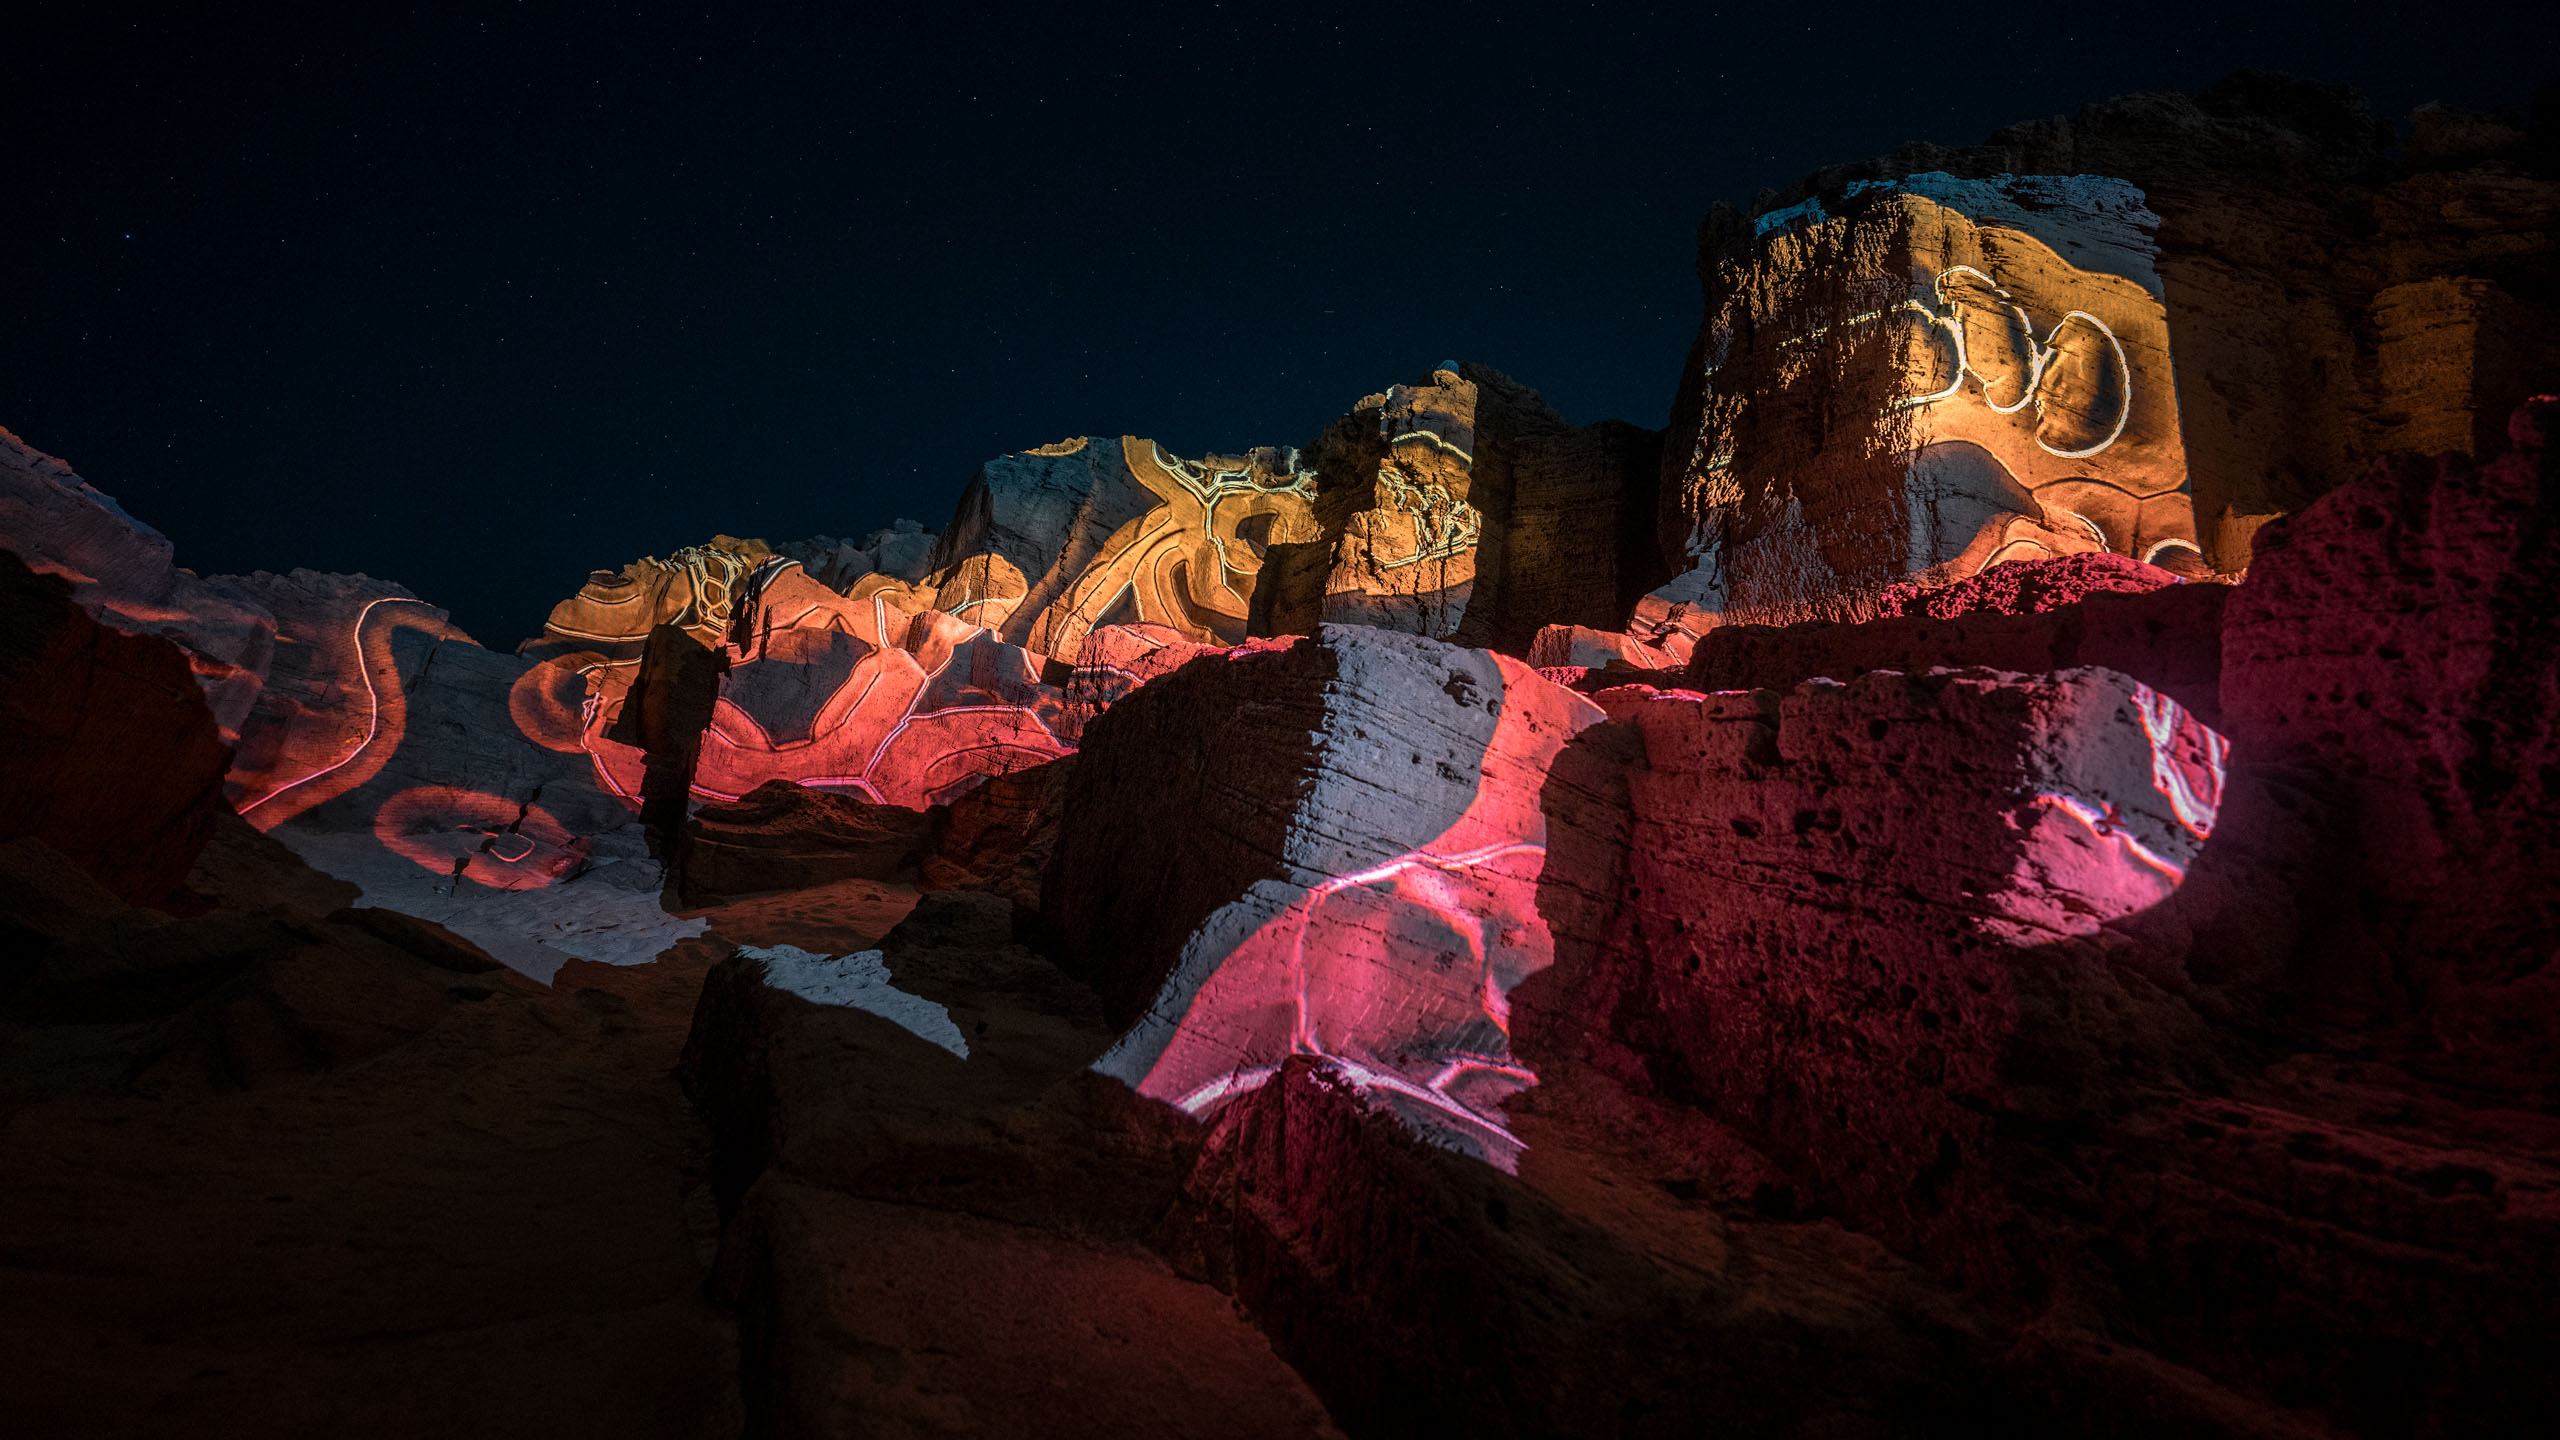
[[548, 702]]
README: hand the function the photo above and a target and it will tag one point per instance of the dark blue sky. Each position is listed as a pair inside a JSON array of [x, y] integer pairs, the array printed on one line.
[[482, 297]]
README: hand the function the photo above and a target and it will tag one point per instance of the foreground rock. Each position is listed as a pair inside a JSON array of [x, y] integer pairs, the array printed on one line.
[[108, 754], [931, 1239]]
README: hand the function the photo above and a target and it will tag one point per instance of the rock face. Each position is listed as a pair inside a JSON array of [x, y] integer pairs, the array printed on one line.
[[783, 836], [2091, 972], [1957, 832], [1461, 507], [902, 552], [2024, 616], [895, 1202], [1345, 865], [2284, 230], [873, 693], [107, 752], [124, 573], [1116, 530], [1926, 375], [2397, 641]]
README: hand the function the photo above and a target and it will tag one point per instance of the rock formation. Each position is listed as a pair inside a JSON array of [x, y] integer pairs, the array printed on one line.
[[2269, 226], [2017, 934], [111, 756], [1925, 376]]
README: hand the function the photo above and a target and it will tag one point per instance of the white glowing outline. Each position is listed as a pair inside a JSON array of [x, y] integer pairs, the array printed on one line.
[[373, 703], [2040, 354], [1304, 1040], [2102, 823], [2161, 718]]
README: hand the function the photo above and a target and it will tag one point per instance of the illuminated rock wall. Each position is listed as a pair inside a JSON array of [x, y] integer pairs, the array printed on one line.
[[1926, 377], [2332, 292], [1097, 531], [1463, 508], [1933, 836], [1340, 856]]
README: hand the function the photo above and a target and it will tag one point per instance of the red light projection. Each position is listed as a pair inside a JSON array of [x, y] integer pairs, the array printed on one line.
[[834, 692], [333, 733], [1400, 974], [479, 837]]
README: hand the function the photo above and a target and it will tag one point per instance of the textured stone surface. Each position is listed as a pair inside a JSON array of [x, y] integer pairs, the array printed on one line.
[[124, 573], [1344, 864], [277, 1170], [874, 692], [783, 836], [1903, 860], [108, 753], [2398, 639], [920, 1238], [1462, 507], [2284, 222], [2024, 620], [1925, 376]]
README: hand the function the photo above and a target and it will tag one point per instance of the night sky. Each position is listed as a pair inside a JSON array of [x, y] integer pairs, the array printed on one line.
[[480, 298]]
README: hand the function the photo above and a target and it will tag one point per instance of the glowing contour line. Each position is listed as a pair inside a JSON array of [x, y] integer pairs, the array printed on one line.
[[373, 704]]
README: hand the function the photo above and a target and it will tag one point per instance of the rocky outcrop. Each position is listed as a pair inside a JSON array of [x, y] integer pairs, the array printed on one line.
[[1925, 375], [783, 836], [2029, 617], [1915, 861], [2396, 641], [874, 693], [903, 551], [125, 574], [108, 754], [893, 1200], [2286, 231], [1463, 508], [1340, 856]]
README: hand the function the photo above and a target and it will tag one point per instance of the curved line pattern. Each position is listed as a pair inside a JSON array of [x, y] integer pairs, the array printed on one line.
[[2040, 356], [373, 705]]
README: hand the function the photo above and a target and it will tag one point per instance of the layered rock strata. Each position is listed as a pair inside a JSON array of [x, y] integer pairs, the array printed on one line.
[[1926, 375], [1462, 507], [2286, 230]]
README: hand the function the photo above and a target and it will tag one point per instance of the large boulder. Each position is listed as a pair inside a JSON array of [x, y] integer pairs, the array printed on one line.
[[1862, 908], [1462, 507], [1332, 847], [108, 753], [126, 575], [2267, 228]]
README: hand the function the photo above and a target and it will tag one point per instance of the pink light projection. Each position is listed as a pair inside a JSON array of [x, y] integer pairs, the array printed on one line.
[[478, 836], [1399, 974], [2187, 764], [2188, 759]]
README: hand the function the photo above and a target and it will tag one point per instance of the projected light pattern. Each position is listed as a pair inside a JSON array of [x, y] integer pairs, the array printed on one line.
[[854, 694], [1188, 562], [1443, 525], [294, 757], [2028, 363], [479, 837], [2188, 759], [1399, 974]]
